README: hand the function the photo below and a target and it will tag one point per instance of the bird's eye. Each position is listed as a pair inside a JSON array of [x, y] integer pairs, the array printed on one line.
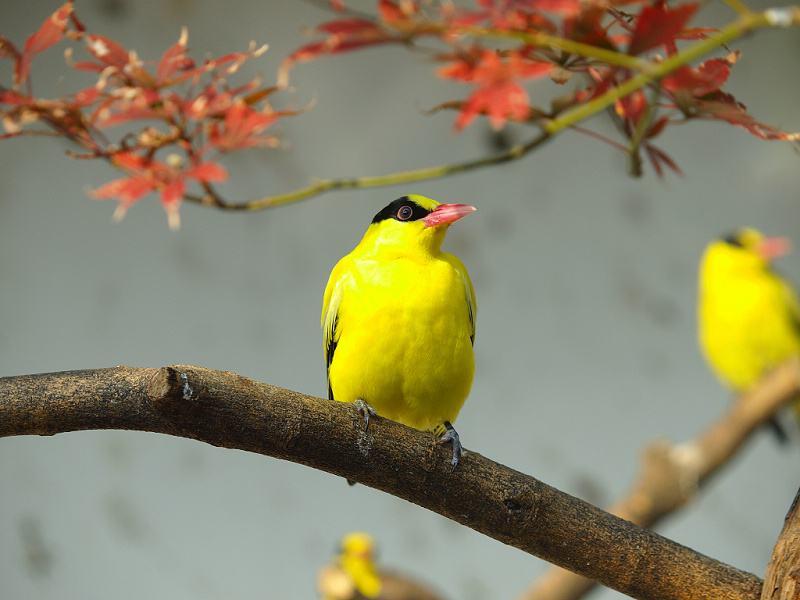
[[404, 213]]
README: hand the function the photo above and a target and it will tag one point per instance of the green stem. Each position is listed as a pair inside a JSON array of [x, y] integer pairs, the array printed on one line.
[[544, 40], [398, 177]]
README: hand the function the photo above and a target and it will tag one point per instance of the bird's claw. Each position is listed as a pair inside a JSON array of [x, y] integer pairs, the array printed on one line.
[[450, 436], [365, 410]]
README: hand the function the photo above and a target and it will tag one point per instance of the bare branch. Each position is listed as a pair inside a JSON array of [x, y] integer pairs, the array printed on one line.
[[782, 581], [227, 410], [349, 183], [670, 475]]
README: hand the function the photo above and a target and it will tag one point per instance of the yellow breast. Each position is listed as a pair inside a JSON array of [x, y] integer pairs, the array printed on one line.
[[404, 341], [745, 325]]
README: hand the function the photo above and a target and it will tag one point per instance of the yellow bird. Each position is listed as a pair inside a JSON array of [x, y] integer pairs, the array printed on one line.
[[354, 575], [398, 320], [749, 317]]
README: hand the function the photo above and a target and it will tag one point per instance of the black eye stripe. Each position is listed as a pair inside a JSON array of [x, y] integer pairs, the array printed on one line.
[[391, 211]]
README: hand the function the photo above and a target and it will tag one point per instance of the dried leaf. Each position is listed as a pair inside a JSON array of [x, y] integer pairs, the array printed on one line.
[[174, 59], [107, 51], [50, 33]]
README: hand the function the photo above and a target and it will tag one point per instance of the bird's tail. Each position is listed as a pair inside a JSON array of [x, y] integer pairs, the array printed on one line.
[[778, 430]]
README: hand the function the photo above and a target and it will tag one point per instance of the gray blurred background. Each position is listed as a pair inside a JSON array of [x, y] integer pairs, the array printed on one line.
[[586, 334]]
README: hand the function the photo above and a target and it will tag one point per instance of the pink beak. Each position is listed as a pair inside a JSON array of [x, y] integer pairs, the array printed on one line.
[[774, 247], [444, 214]]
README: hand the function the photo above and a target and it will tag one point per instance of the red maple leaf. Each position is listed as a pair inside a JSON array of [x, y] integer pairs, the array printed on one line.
[[658, 25], [499, 94], [242, 128], [147, 175], [724, 107], [709, 77]]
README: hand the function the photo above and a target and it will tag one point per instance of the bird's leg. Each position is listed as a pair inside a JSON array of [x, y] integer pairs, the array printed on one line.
[[450, 436], [365, 410]]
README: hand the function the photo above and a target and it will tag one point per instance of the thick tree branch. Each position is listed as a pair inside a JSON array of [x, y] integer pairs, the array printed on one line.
[[671, 475], [782, 581], [225, 409]]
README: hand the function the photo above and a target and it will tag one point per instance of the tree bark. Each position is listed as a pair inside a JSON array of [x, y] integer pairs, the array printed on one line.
[[670, 475], [782, 581], [225, 409]]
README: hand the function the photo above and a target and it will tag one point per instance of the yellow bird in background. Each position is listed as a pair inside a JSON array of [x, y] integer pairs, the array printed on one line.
[[353, 575], [749, 317], [398, 320]]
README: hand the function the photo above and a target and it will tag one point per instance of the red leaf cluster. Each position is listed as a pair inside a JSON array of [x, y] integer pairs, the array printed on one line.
[[498, 93], [166, 122], [147, 175], [170, 129], [649, 29]]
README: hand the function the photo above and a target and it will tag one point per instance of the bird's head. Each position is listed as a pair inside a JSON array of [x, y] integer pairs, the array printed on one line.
[[745, 249], [358, 545], [414, 223]]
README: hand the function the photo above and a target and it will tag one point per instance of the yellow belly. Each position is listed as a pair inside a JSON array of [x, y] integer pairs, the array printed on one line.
[[404, 341], [746, 330]]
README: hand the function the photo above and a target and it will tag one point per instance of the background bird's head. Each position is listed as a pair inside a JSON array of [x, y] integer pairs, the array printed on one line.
[[743, 250], [413, 223], [358, 545]]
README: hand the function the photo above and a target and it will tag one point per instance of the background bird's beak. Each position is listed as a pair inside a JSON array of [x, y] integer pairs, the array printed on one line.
[[774, 247], [444, 214]]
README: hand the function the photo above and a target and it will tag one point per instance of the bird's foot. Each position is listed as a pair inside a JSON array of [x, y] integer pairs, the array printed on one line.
[[450, 436], [365, 410]]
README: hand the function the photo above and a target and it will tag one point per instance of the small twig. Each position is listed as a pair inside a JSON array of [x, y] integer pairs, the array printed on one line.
[[670, 475], [639, 133], [30, 132], [348, 10], [227, 410], [600, 137], [782, 580], [544, 40], [326, 185]]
